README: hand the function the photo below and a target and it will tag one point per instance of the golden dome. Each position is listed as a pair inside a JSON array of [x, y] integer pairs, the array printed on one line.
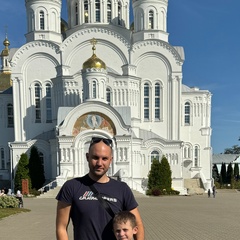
[[6, 43], [94, 61]]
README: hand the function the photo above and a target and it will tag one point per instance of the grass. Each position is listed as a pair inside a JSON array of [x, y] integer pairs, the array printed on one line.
[[6, 212]]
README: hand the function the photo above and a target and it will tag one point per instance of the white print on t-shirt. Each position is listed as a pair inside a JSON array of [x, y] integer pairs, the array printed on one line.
[[88, 195]]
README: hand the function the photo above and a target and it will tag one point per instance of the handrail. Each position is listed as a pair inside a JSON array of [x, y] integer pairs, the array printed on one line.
[[204, 181], [48, 186], [56, 182], [138, 187]]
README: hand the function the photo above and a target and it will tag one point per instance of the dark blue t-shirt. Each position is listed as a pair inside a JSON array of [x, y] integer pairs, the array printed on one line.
[[90, 220]]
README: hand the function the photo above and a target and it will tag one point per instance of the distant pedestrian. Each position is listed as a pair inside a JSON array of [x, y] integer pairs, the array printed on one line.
[[209, 193], [214, 191], [19, 196]]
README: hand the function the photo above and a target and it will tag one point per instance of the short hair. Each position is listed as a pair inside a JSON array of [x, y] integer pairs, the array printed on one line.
[[123, 217]]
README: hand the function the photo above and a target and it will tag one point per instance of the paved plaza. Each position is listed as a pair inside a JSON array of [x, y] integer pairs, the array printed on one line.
[[167, 218]]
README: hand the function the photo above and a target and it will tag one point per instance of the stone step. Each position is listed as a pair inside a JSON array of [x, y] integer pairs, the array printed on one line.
[[52, 193]]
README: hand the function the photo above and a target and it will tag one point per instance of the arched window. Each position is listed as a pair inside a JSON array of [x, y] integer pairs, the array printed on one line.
[[42, 20], [108, 97], [196, 156], [76, 14], [97, 10], [109, 11], [86, 11], [146, 101], [48, 103], [10, 115], [187, 152], [3, 166], [94, 89], [119, 13], [150, 20], [157, 101], [154, 155], [187, 113], [37, 103]]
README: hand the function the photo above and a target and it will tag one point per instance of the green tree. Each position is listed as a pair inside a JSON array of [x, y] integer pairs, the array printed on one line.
[[229, 173], [215, 173], [165, 175], [236, 171], [223, 173], [154, 175], [36, 169], [22, 172], [235, 149]]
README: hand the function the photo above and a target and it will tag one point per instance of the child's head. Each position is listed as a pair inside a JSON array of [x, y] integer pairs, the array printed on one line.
[[124, 225]]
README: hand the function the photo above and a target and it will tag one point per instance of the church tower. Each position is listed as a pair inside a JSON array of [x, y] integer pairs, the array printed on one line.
[[5, 71], [5, 57], [150, 19], [43, 20], [88, 12]]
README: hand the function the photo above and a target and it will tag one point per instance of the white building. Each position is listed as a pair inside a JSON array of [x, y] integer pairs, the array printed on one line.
[[128, 88]]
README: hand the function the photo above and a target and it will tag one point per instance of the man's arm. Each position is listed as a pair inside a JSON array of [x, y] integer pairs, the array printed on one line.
[[140, 232], [62, 220]]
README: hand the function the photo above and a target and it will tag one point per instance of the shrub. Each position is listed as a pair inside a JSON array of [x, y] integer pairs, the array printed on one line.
[[36, 169], [34, 192], [22, 172], [8, 202], [156, 192], [165, 175]]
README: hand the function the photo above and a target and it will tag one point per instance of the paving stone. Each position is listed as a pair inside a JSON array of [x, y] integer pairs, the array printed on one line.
[[167, 218]]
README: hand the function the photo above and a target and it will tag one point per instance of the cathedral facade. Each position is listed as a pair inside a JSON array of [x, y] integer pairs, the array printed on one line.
[[94, 75]]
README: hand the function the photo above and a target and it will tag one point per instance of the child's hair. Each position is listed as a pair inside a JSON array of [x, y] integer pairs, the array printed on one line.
[[123, 217]]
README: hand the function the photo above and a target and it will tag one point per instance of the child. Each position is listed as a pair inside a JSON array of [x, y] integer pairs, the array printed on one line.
[[124, 225]]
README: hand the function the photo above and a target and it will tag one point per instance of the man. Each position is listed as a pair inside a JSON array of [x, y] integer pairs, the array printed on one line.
[[91, 221]]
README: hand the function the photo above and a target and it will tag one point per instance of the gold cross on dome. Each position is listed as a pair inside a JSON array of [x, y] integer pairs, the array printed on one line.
[[93, 41]]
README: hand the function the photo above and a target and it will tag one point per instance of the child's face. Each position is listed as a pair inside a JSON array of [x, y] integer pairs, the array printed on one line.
[[124, 231]]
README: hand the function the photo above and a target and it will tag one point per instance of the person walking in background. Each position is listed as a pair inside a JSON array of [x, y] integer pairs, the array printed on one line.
[[79, 201], [2, 193], [214, 191], [209, 193], [124, 225], [19, 196]]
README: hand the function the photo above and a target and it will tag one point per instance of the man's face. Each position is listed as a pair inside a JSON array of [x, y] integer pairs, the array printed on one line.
[[99, 159], [124, 231]]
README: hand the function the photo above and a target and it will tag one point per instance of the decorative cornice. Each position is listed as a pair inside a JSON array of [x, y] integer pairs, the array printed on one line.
[[79, 33], [162, 44], [31, 45], [88, 70], [56, 1]]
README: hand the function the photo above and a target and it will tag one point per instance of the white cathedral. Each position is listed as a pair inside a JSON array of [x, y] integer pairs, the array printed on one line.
[[95, 75]]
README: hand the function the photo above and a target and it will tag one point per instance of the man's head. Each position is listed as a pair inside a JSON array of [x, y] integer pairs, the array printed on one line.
[[99, 157], [124, 225]]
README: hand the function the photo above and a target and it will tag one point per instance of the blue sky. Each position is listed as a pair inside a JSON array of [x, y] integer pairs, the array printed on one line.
[[209, 32]]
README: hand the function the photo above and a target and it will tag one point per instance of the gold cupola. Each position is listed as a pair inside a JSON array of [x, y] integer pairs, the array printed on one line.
[[6, 43], [94, 61]]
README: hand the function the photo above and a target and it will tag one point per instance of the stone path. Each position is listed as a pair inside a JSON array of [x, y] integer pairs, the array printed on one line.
[[167, 218]]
